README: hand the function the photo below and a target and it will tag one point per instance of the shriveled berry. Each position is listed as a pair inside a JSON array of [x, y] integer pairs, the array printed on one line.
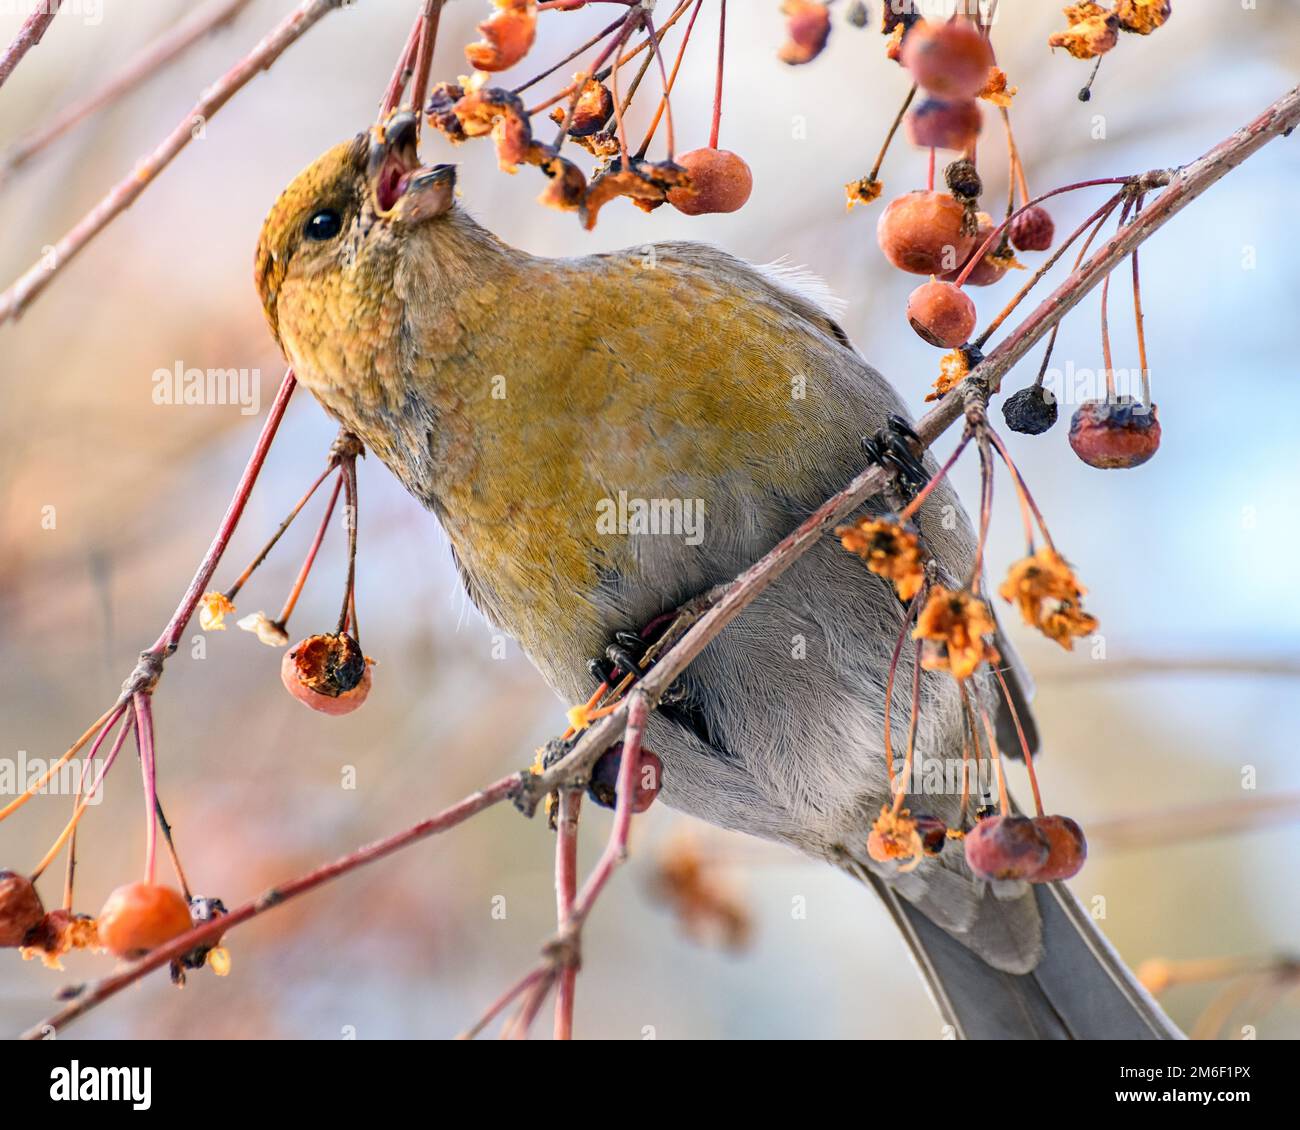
[[1066, 848], [942, 313], [139, 917], [329, 673], [933, 833], [20, 908], [948, 60], [603, 786], [922, 233], [1031, 411], [937, 124], [1006, 847], [807, 27], [507, 36], [963, 179], [593, 109], [1032, 229], [1114, 434], [720, 182]]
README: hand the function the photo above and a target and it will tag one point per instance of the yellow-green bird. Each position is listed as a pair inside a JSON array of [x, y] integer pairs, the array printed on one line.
[[603, 438]]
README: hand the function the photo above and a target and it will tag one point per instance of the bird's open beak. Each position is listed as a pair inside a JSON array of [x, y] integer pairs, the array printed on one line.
[[400, 186]]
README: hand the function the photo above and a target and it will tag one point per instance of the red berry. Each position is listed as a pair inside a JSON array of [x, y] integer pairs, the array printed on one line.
[[139, 917], [985, 272], [948, 60], [1032, 229], [933, 833], [1113, 434], [936, 124], [720, 182], [20, 908], [921, 233], [328, 673], [1067, 848], [1006, 847], [942, 313]]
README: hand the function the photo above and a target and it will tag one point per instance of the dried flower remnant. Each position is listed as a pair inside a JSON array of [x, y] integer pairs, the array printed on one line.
[[952, 626], [807, 28], [996, 89], [1048, 594], [507, 36], [864, 190], [328, 673], [1092, 31], [267, 630], [894, 838], [890, 551], [708, 907], [954, 368], [213, 610]]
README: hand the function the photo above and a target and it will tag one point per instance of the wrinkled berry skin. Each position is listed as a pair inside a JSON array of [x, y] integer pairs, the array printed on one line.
[[1067, 848], [1006, 847], [20, 908], [1115, 434], [1032, 230], [603, 786], [1031, 411]]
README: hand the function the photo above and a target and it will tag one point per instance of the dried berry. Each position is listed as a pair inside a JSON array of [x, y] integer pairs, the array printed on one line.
[[1067, 848], [963, 180], [507, 35], [807, 27], [720, 182], [933, 833], [1114, 434], [20, 908], [139, 917], [1006, 847], [924, 233], [942, 313], [1032, 229], [590, 113], [603, 786], [949, 60], [1031, 411], [1142, 16], [1093, 30], [329, 673], [938, 124]]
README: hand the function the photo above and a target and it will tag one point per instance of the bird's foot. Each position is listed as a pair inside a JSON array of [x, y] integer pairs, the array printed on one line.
[[626, 656], [891, 448]]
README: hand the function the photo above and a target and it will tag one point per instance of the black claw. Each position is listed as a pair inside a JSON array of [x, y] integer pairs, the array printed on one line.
[[902, 427], [624, 660], [602, 670]]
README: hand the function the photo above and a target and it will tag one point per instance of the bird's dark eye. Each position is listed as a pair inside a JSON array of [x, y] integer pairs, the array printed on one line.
[[325, 224]]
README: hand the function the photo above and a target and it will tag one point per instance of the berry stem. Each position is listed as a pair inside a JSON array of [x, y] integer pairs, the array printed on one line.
[[349, 589], [717, 87], [912, 610], [1141, 324], [672, 77], [148, 770], [427, 25], [893, 129], [924, 493], [986, 510], [104, 721], [296, 590], [929, 180], [667, 93], [1024, 742], [566, 885], [914, 719], [1004, 799]]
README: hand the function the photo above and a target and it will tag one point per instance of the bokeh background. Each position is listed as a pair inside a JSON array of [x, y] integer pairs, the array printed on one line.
[[1190, 560]]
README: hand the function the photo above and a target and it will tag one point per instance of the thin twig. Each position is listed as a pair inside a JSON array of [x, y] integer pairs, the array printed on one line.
[[29, 35]]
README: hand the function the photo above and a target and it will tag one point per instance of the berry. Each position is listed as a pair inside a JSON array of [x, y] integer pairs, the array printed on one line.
[[807, 27], [1113, 434], [139, 917], [1032, 229], [922, 233], [963, 180], [328, 673], [20, 908], [933, 833], [986, 272], [948, 60], [507, 35], [1006, 847], [1066, 848], [1031, 411], [936, 124], [720, 182], [942, 313], [603, 786]]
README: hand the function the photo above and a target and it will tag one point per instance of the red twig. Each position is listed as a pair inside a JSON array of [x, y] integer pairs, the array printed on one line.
[[37, 277], [167, 48], [566, 884], [29, 35]]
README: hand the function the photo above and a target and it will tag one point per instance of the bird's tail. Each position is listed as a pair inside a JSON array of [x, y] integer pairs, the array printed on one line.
[[1080, 989]]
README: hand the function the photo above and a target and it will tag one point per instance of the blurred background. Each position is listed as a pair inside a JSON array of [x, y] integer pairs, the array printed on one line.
[[1190, 560]]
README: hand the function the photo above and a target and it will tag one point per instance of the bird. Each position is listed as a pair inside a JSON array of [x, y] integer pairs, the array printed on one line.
[[523, 400]]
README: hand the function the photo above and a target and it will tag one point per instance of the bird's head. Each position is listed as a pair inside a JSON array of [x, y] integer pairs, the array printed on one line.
[[341, 224]]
